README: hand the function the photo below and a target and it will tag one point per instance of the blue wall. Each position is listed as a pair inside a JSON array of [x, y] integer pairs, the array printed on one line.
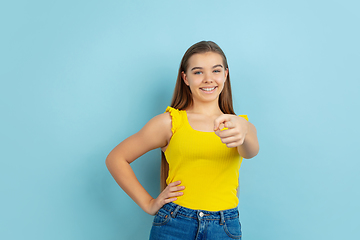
[[78, 77]]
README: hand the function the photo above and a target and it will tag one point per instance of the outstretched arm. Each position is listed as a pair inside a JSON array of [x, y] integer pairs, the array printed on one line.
[[156, 133], [240, 134]]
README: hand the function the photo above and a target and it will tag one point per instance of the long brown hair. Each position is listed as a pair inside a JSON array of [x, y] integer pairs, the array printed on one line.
[[182, 95]]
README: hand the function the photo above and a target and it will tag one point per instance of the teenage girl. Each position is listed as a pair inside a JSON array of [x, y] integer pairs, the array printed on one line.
[[202, 143]]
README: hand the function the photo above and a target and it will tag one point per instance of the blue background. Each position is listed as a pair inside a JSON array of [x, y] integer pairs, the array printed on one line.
[[78, 77]]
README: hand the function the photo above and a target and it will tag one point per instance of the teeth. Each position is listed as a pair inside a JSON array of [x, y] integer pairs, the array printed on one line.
[[208, 89]]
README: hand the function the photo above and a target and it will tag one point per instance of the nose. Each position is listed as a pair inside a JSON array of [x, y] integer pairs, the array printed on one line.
[[207, 78]]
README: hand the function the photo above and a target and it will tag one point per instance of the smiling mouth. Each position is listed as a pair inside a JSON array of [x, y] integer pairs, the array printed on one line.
[[208, 89]]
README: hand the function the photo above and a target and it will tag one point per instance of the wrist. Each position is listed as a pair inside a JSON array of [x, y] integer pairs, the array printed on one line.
[[150, 206]]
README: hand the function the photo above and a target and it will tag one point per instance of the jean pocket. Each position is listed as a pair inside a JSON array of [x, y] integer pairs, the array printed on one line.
[[161, 218], [232, 228]]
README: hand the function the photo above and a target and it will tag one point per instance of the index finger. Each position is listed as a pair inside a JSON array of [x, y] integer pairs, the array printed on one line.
[[221, 119], [175, 183]]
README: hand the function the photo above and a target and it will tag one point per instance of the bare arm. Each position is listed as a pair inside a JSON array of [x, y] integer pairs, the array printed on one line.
[[250, 146], [155, 134], [240, 134]]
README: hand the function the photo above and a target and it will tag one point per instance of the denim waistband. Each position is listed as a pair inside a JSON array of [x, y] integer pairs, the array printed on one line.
[[175, 209]]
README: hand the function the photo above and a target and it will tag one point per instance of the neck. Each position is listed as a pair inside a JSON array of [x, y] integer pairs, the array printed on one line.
[[209, 108]]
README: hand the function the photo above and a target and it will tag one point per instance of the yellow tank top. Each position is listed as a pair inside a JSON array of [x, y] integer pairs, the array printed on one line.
[[207, 168]]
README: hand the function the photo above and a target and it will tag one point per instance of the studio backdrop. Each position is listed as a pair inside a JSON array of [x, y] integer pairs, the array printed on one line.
[[78, 77]]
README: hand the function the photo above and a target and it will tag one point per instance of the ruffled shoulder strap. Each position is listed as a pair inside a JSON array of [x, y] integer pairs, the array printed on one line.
[[175, 118], [244, 116]]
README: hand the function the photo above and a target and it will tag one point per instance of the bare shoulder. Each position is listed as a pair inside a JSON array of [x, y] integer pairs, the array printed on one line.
[[252, 127], [162, 121], [155, 134], [163, 118], [158, 127]]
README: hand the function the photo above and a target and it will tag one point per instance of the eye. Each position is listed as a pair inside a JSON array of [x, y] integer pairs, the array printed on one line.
[[197, 72], [217, 71]]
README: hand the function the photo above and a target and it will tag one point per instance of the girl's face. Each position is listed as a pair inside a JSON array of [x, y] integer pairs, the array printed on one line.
[[206, 75]]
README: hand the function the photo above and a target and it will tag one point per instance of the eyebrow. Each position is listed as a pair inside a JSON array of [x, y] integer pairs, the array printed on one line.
[[219, 65]]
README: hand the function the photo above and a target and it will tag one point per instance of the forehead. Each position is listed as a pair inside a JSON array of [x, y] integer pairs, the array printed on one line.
[[204, 60]]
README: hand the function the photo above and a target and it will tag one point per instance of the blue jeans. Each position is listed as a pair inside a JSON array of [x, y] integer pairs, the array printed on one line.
[[174, 222]]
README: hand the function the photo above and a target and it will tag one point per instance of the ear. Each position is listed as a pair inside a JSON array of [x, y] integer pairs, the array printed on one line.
[[226, 73], [184, 77]]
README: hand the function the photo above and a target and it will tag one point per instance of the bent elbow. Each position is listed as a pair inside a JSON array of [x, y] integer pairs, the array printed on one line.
[[115, 163], [109, 161]]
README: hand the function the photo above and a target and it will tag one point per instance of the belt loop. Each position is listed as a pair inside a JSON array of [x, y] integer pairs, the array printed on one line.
[[173, 213], [222, 219]]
